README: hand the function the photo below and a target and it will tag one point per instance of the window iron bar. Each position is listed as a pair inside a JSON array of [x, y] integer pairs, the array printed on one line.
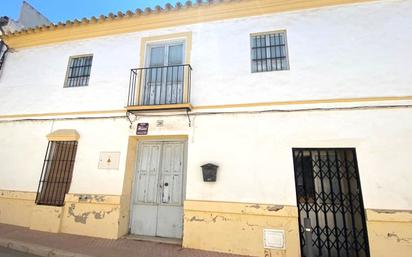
[[268, 52], [78, 73], [56, 175]]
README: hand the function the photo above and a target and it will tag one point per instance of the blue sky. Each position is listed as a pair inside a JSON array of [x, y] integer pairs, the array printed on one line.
[[62, 10]]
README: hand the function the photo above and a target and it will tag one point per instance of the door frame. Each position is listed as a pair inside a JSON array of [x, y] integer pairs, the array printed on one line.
[[158, 139]]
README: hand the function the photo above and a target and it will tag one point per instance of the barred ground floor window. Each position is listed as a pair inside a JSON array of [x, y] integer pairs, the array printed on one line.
[[57, 173]]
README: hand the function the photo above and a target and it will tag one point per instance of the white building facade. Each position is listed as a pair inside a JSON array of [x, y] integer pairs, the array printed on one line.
[[304, 107]]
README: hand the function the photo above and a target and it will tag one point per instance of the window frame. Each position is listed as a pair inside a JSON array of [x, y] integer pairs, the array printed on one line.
[[66, 80], [286, 54]]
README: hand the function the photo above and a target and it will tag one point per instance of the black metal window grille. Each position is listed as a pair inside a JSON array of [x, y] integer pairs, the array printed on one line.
[[269, 52], [78, 72], [57, 172], [331, 212]]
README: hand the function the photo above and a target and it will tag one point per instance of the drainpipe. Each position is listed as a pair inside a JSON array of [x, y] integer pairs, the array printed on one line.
[[3, 22]]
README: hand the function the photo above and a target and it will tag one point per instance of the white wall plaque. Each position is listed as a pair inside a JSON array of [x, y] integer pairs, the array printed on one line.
[[109, 160], [274, 239]]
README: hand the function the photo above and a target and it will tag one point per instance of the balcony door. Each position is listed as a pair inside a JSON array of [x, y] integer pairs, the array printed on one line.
[[163, 75]]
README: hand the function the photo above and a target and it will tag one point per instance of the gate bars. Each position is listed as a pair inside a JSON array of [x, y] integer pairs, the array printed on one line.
[[329, 198]]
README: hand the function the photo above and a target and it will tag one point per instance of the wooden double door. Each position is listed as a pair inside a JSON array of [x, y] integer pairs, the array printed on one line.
[[158, 190]]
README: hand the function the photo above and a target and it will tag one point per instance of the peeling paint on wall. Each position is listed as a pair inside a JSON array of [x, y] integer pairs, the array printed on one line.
[[90, 198], [398, 238], [256, 206], [223, 218], [213, 219], [274, 207], [238, 227], [382, 211], [194, 218], [82, 218]]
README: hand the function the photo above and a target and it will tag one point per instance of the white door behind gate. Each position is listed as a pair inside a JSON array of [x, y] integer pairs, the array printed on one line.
[[157, 208]]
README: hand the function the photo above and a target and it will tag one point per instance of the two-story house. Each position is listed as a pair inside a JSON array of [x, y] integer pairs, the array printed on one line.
[[257, 127]]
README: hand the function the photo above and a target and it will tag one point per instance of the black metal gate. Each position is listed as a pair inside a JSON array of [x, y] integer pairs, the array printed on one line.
[[331, 214]]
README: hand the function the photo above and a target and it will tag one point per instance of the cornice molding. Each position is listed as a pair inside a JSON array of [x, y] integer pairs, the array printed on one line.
[[169, 16]]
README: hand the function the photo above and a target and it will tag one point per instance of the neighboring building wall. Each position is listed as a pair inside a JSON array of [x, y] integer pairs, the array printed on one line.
[[334, 52], [29, 17], [12, 26]]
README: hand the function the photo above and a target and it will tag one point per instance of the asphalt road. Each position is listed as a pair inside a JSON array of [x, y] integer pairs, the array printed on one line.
[[5, 252]]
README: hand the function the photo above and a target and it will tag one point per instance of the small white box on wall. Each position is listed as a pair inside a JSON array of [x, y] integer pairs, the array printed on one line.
[[109, 160], [274, 239]]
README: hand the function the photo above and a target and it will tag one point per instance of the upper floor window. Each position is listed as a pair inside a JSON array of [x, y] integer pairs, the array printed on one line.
[[269, 51], [78, 71]]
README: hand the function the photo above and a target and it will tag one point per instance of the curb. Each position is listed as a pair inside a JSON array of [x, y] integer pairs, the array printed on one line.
[[36, 249]]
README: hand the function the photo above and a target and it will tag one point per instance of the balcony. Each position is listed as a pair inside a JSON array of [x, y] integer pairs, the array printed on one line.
[[160, 88]]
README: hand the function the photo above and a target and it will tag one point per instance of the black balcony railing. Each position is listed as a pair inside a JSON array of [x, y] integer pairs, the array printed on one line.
[[160, 85]]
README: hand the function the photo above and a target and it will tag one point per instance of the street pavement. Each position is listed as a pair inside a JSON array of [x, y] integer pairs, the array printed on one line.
[[59, 244], [6, 252]]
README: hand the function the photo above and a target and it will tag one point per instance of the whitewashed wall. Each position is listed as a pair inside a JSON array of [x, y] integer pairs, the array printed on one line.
[[23, 146], [254, 152], [346, 51], [359, 50]]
